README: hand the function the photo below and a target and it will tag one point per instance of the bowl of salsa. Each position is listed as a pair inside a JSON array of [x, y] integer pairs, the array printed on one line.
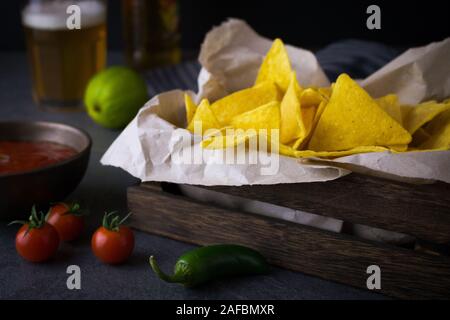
[[40, 162]]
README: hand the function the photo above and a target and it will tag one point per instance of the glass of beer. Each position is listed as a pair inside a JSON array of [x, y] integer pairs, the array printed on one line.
[[151, 33], [66, 44]]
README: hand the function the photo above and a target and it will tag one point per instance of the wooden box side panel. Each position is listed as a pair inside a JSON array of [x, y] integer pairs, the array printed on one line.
[[337, 257], [422, 211]]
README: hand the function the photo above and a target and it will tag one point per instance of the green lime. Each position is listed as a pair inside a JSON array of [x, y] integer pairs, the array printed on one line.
[[114, 96]]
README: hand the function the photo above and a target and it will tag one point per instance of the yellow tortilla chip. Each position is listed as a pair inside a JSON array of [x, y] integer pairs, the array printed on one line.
[[205, 117], [325, 92], [312, 104], [399, 147], [286, 150], [276, 66], [419, 137], [190, 107], [391, 106], [439, 130], [310, 98], [404, 110], [290, 152], [308, 120], [319, 112], [264, 117], [308, 116], [315, 113], [415, 117], [291, 125], [352, 119], [245, 100], [228, 140]]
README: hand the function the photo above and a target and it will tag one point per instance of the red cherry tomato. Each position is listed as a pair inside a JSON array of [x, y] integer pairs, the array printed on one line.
[[66, 220], [113, 243], [36, 240]]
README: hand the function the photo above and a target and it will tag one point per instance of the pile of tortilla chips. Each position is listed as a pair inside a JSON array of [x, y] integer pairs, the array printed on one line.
[[318, 122]]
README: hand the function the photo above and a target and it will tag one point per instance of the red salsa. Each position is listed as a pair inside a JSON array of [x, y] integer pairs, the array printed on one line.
[[19, 156]]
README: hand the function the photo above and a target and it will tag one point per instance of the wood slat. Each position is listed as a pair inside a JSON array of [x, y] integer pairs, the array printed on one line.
[[333, 256], [422, 211]]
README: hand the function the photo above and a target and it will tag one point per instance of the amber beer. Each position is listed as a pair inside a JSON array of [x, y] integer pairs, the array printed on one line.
[[63, 60], [151, 33]]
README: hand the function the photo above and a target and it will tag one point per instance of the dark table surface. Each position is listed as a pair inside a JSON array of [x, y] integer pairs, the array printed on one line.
[[104, 188]]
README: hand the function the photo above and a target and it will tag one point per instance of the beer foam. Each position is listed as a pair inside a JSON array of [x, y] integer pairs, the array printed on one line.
[[52, 15]]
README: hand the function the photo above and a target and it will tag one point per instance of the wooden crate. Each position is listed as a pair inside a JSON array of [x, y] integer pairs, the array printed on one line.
[[422, 211]]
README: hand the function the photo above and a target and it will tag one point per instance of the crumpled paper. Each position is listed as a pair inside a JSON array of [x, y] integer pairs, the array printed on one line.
[[231, 55], [418, 74]]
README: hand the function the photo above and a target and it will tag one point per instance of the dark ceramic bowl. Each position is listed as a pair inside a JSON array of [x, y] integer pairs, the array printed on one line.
[[40, 186]]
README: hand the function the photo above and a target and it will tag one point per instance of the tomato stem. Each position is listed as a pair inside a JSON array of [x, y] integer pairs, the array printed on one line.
[[125, 218], [17, 222], [112, 222], [75, 209], [35, 221]]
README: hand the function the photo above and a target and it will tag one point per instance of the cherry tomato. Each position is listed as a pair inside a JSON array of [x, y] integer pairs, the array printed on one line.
[[67, 220], [113, 243], [36, 240]]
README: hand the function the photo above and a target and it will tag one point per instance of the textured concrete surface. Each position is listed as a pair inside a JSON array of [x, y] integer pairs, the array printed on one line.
[[103, 188]]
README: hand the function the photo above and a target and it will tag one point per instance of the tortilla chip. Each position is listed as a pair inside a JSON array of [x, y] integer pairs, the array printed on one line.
[[288, 151], [276, 66], [391, 106], [415, 117], [404, 110], [205, 116], [399, 148], [315, 113], [312, 104], [291, 125], [190, 108], [419, 137], [264, 117], [227, 140], [439, 130], [319, 112], [352, 119], [310, 98], [308, 116], [325, 92], [245, 100]]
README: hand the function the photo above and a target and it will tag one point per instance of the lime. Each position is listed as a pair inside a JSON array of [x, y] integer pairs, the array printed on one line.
[[113, 96]]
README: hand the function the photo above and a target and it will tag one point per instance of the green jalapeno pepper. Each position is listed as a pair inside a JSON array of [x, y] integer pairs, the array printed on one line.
[[211, 262]]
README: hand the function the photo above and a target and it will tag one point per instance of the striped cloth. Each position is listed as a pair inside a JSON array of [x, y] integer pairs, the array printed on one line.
[[180, 76], [355, 57]]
